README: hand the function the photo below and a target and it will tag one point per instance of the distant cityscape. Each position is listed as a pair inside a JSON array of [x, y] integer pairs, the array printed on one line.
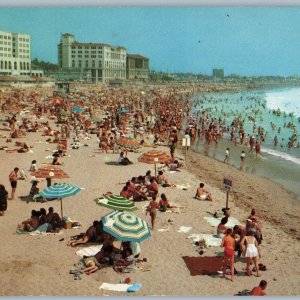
[[97, 62]]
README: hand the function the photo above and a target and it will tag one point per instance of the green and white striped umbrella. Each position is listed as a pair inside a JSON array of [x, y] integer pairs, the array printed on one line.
[[116, 202], [125, 226]]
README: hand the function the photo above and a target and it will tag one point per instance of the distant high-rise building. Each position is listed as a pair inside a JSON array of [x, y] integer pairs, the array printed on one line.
[[137, 67], [15, 56], [218, 73], [102, 61]]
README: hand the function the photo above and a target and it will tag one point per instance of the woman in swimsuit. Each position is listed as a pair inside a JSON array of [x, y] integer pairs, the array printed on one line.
[[228, 243], [252, 251]]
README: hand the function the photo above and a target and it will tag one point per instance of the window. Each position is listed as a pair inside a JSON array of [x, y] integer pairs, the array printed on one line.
[[5, 65], [73, 63], [86, 56], [93, 64], [1, 64], [28, 66], [21, 67], [15, 65], [86, 63], [79, 63]]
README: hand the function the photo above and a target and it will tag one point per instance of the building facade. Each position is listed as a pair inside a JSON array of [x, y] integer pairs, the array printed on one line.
[[15, 58], [218, 73], [104, 62], [137, 67]]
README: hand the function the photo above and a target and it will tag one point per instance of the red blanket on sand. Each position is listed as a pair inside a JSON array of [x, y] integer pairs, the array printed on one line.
[[203, 265]]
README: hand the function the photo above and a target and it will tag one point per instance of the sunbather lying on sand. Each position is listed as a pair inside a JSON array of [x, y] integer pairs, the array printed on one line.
[[93, 234]]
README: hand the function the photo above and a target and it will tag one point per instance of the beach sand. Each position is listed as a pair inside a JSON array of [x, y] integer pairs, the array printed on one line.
[[39, 265]]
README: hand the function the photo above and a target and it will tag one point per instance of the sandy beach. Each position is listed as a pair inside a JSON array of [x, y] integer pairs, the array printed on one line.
[[39, 265]]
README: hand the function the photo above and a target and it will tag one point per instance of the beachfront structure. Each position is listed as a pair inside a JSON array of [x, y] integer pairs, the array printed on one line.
[[104, 62], [137, 67], [218, 73], [15, 59]]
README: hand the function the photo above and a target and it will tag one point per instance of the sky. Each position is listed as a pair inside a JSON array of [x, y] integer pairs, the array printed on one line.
[[247, 41]]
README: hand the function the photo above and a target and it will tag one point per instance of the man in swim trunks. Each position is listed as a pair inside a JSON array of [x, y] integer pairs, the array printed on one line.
[[13, 177], [202, 193]]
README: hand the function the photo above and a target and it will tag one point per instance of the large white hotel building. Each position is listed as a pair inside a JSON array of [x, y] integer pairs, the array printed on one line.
[[104, 62], [15, 58]]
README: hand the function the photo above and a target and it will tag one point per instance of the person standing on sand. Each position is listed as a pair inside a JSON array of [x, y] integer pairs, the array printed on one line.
[[13, 177], [3, 199], [259, 290], [152, 207], [257, 147], [227, 155], [252, 251], [228, 243], [243, 157]]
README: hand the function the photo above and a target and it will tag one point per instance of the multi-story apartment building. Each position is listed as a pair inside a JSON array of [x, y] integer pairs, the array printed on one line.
[[15, 58], [137, 67], [104, 62]]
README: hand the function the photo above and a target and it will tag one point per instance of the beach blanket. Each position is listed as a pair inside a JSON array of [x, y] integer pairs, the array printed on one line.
[[183, 186], [210, 239], [203, 265], [89, 251], [184, 229], [119, 287], [216, 221]]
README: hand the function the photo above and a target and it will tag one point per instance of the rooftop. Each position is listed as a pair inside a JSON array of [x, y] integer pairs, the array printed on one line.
[[136, 56]]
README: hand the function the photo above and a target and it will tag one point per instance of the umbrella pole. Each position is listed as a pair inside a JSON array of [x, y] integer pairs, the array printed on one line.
[[61, 208], [155, 169]]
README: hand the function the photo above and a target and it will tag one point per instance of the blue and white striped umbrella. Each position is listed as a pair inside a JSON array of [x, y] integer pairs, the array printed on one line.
[[61, 190], [125, 226]]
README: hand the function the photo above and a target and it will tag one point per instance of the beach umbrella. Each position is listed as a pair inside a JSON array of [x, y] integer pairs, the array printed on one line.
[[116, 202], [57, 101], [61, 190], [154, 157], [50, 173], [77, 109], [128, 142], [123, 110], [125, 226]]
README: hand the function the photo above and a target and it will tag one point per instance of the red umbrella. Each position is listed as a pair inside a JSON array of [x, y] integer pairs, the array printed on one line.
[[154, 157], [57, 101]]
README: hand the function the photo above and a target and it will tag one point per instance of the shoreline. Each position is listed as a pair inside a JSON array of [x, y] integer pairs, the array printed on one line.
[[262, 193]]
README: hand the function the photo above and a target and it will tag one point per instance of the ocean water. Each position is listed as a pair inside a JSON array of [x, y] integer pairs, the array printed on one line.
[[278, 163]]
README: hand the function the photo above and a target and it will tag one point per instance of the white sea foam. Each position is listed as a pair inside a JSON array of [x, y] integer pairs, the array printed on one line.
[[282, 155], [286, 100]]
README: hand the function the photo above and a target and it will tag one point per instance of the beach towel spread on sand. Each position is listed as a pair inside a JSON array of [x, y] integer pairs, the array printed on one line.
[[184, 229], [121, 287], [89, 251], [210, 239], [216, 221], [203, 265]]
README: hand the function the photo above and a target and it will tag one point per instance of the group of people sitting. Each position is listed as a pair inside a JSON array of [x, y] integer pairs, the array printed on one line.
[[141, 187], [120, 259], [42, 221]]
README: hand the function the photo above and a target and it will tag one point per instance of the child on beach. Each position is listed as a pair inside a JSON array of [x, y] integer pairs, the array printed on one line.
[[227, 155]]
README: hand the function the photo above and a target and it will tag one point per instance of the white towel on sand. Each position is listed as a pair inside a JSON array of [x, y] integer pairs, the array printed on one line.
[[89, 251], [119, 287], [184, 229], [210, 239], [216, 221]]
